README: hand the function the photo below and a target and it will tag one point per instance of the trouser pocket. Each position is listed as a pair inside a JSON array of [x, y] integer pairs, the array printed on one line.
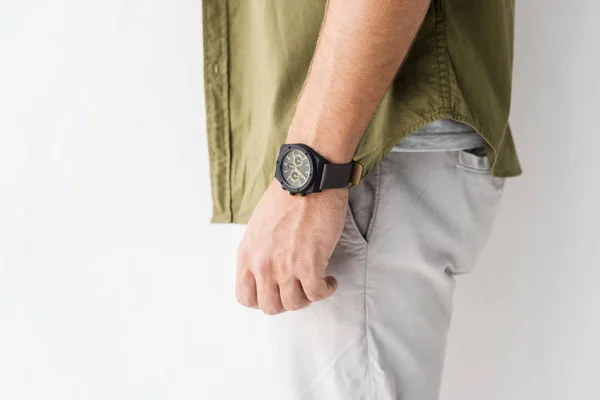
[[362, 203]]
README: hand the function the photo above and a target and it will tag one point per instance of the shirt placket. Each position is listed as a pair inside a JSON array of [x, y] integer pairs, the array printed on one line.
[[216, 81]]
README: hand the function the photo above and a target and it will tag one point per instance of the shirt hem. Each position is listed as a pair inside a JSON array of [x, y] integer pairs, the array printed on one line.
[[240, 218], [449, 114]]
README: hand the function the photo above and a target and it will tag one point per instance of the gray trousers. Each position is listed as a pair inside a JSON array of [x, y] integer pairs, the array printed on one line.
[[415, 222]]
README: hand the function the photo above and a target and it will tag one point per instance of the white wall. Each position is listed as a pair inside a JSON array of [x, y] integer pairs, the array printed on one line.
[[114, 286]]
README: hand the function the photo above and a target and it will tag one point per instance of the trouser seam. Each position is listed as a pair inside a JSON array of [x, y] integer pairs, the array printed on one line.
[[369, 361], [366, 316]]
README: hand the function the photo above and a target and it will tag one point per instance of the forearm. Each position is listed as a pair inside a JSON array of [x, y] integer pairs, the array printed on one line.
[[360, 49]]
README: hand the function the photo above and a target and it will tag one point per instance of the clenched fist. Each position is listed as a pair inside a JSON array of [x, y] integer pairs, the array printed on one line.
[[286, 247]]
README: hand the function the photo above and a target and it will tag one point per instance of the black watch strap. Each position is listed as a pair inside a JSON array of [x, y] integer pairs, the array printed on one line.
[[340, 175]]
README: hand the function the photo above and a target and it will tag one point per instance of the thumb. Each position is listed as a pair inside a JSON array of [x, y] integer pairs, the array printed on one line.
[[320, 288]]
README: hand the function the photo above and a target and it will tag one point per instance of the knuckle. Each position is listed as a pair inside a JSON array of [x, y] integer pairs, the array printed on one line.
[[243, 252], [261, 266], [246, 301], [303, 270], [243, 266]]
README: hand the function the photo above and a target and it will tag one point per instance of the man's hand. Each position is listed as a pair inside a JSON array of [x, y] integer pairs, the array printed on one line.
[[285, 250]]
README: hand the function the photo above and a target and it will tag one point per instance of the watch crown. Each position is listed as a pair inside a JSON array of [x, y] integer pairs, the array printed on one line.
[[292, 193], [302, 194]]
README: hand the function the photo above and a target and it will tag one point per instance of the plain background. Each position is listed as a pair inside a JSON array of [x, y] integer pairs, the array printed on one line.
[[113, 285]]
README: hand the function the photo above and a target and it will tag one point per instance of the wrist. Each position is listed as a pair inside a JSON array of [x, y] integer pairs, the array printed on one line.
[[331, 144]]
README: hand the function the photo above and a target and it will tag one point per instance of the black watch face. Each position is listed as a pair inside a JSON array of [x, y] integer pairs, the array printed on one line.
[[295, 168]]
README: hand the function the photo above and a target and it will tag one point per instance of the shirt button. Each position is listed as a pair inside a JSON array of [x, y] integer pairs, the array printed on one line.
[[216, 68]]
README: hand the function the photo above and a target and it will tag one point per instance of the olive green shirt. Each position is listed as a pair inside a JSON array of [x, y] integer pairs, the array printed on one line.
[[256, 58]]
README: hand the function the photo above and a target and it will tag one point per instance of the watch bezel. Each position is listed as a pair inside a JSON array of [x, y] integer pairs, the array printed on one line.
[[313, 166]]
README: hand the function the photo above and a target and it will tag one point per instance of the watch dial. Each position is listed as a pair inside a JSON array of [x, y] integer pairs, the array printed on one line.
[[295, 168]]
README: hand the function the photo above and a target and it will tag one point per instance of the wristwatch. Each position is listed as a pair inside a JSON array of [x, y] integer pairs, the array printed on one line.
[[301, 170]]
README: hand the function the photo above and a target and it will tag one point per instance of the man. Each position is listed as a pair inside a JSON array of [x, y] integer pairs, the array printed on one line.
[[365, 274]]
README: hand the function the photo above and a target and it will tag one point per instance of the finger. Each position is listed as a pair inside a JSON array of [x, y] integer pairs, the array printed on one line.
[[245, 284], [317, 289], [267, 294], [292, 295], [245, 288]]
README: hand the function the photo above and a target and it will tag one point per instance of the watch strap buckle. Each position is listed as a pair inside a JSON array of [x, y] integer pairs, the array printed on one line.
[[356, 173]]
